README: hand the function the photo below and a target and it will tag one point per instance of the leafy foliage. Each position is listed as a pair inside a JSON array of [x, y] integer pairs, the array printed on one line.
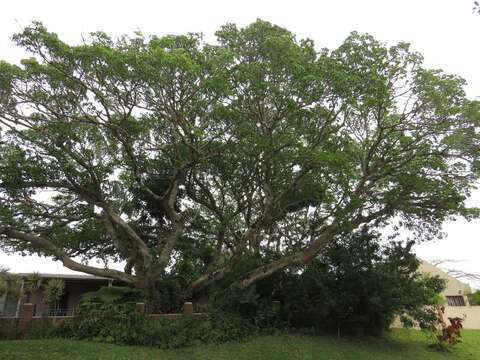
[[9, 329], [474, 298], [111, 295], [33, 282], [449, 335], [105, 322], [359, 286], [121, 324]]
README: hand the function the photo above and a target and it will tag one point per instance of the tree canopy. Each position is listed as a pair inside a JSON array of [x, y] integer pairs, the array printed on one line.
[[175, 155]]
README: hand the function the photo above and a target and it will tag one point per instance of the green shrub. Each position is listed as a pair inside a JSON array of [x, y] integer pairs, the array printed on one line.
[[42, 329], [254, 306], [121, 324], [357, 287], [9, 329], [116, 323], [474, 298], [112, 295], [37, 329], [213, 328]]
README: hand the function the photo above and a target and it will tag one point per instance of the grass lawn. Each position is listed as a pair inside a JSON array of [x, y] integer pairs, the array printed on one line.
[[400, 344]]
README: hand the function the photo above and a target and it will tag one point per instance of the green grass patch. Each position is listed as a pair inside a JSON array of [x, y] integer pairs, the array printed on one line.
[[398, 345]]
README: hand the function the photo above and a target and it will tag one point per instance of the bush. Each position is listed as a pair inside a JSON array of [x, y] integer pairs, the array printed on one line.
[[112, 295], [38, 329], [9, 329], [257, 306], [121, 324], [445, 336], [214, 328], [109, 315], [108, 322], [42, 329], [358, 286], [474, 298]]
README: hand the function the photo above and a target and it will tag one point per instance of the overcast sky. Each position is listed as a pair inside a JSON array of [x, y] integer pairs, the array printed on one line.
[[446, 32]]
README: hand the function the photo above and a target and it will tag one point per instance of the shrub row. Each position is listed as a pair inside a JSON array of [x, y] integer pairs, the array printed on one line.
[[119, 324]]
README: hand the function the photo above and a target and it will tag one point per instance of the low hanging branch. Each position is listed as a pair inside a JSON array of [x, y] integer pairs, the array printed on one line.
[[53, 250]]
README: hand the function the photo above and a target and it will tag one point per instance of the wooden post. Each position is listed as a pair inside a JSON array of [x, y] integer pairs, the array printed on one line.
[[27, 311], [188, 308], [140, 307]]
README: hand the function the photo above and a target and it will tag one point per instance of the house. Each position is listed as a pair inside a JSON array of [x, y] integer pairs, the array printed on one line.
[[456, 292], [75, 287], [456, 297]]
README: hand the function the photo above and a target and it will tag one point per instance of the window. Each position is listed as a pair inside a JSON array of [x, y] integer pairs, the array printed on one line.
[[455, 301]]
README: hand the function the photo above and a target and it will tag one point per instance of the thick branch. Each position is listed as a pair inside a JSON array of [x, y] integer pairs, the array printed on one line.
[[298, 258], [178, 225], [128, 255], [68, 262], [136, 240]]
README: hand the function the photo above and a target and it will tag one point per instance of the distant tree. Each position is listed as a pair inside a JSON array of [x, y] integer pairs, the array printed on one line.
[[182, 158], [474, 298]]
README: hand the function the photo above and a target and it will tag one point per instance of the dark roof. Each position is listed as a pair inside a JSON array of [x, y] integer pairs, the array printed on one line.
[[68, 276]]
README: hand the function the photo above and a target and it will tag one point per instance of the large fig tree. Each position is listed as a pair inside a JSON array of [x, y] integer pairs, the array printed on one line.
[[171, 154]]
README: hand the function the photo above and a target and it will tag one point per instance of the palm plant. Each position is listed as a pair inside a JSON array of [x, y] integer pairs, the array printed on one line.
[[32, 284], [10, 284], [53, 291]]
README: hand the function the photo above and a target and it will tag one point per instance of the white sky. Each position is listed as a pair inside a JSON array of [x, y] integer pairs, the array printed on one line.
[[446, 32]]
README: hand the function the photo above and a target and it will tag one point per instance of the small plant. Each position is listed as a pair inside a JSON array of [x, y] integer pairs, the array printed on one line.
[[447, 335], [451, 333]]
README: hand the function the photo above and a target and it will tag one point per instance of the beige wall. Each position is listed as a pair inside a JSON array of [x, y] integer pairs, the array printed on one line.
[[454, 287], [470, 313]]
